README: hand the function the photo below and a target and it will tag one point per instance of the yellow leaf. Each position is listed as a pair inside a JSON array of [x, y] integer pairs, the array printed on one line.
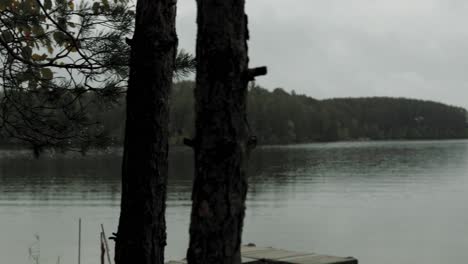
[[50, 49], [71, 5], [37, 57], [72, 48]]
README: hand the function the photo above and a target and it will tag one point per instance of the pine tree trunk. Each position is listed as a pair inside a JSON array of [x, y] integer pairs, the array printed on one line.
[[221, 142], [141, 235]]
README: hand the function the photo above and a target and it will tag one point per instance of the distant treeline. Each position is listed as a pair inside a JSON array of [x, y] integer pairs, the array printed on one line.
[[279, 117]]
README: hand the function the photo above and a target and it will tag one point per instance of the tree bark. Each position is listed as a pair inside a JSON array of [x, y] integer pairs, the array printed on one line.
[[141, 235], [221, 143]]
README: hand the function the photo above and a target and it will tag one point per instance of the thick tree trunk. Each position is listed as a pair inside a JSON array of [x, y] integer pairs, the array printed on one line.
[[221, 143], [141, 235]]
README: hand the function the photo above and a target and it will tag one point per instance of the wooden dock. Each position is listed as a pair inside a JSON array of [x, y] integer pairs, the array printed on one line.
[[256, 255]]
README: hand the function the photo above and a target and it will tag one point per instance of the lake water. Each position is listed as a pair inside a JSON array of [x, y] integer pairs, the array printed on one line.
[[382, 202]]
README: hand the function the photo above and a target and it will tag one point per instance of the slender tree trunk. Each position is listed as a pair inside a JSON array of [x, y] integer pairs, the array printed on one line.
[[221, 144], [141, 235]]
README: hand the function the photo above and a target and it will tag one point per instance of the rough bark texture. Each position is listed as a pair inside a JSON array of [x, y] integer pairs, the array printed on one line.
[[221, 142], [141, 235]]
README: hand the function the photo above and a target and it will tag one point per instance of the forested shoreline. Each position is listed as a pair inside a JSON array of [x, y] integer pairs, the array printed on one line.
[[279, 117]]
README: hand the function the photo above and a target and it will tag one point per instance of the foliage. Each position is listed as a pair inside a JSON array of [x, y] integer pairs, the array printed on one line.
[[59, 59], [53, 54]]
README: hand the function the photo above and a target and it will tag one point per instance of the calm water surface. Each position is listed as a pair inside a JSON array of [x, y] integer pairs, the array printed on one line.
[[382, 202]]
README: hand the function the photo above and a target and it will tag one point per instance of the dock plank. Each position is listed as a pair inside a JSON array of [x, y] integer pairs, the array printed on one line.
[[271, 254], [254, 255], [293, 257], [320, 259]]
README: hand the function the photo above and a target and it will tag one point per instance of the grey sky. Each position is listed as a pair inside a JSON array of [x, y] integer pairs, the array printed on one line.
[[342, 48]]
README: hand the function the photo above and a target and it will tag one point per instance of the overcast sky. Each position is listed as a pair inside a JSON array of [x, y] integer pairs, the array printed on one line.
[[343, 48]]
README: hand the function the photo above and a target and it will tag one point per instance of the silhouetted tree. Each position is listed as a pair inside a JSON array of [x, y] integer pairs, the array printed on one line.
[[221, 142], [141, 235]]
